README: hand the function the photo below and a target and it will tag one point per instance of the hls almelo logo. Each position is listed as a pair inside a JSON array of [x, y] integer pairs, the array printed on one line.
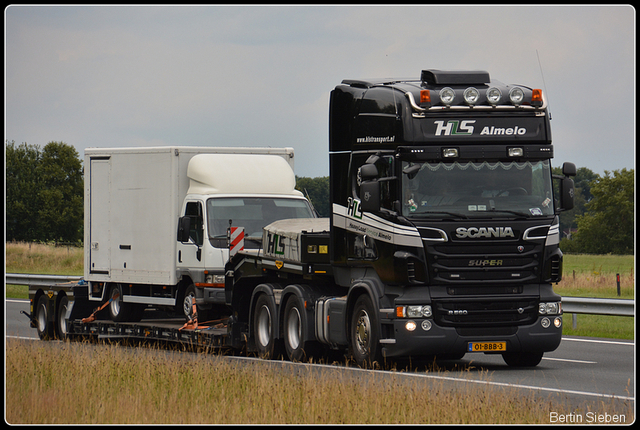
[[455, 127]]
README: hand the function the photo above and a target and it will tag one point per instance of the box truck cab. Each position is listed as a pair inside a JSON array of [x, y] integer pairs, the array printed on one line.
[[158, 221]]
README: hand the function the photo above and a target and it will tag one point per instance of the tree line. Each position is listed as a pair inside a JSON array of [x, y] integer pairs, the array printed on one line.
[[44, 201]]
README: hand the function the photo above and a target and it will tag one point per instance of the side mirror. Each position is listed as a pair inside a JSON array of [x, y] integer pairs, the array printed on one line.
[[370, 195], [184, 225], [368, 172], [567, 193], [569, 169]]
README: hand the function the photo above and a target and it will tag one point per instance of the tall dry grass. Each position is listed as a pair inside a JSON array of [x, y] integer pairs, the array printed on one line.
[[75, 383], [21, 257]]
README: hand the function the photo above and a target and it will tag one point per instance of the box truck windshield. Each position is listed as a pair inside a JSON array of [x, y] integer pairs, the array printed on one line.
[[477, 189], [251, 213]]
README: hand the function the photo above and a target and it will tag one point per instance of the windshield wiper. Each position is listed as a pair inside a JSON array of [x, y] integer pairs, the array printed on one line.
[[520, 214], [453, 214]]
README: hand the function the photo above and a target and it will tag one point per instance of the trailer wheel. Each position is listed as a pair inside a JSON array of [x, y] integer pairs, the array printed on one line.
[[61, 321], [364, 337], [264, 327], [522, 359], [45, 330]]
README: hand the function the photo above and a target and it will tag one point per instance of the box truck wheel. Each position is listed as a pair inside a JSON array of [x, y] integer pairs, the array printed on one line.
[[61, 321], [364, 339], [264, 327], [45, 329], [119, 311]]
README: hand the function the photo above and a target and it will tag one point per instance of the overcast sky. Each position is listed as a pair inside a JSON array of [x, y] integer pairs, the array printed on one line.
[[261, 76]]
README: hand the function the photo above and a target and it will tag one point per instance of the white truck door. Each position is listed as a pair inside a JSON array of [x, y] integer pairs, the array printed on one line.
[[99, 218], [190, 254]]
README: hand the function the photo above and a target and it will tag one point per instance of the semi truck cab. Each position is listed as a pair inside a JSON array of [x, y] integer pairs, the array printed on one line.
[[449, 198]]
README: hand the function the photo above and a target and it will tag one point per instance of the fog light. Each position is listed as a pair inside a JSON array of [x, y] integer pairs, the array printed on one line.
[[557, 322], [471, 96], [545, 322], [426, 325], [516, 152], [410, 325], [447, 95], [449, 152], [494, 95], [516, 95]]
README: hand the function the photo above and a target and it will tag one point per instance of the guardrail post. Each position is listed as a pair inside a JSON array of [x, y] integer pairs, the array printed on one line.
[[574, 317]]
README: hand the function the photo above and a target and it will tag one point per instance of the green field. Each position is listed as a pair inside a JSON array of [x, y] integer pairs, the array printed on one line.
[[584, 276]]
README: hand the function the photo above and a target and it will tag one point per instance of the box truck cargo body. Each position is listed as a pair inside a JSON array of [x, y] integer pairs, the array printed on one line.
[[137, 200]]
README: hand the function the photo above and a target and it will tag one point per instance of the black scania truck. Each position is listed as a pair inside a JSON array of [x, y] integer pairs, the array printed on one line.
[[443, 237]]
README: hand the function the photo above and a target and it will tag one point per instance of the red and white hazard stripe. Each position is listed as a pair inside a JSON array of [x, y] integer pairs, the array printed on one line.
[[236, 242]]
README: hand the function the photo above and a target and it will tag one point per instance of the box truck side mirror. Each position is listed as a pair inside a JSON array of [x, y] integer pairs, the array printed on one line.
[[184, 225]]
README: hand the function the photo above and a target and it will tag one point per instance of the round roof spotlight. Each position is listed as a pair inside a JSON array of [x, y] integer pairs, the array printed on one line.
[[494, 95], [447, 95], [516, 95], [471, 96]]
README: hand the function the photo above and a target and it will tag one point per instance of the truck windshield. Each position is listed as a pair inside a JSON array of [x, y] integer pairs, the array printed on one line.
[[477, 189], [252, 214]]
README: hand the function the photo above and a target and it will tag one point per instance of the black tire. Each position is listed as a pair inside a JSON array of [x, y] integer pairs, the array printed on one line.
[[187, 302], [264, 327], [61, 322], [522, 359], [364, 336], [43, 326], [119, 311], [297, 346]]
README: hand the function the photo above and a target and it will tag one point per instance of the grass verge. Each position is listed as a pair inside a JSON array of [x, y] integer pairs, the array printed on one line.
[[146, 386]]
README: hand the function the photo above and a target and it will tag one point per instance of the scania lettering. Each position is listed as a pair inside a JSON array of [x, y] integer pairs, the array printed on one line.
[[442, 238], [462, 232]]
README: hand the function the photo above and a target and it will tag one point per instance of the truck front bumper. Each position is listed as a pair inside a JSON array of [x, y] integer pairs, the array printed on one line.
[[428, 339]]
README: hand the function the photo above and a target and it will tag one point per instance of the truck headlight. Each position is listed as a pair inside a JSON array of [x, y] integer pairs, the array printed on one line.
[[550, 308], [414, 311]]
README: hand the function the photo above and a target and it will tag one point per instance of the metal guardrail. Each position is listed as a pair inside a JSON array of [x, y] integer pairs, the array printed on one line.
[[37, 280], [571, 305], [597, 306]]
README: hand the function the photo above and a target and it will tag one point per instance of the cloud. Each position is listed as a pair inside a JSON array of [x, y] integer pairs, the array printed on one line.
[[260, 75]]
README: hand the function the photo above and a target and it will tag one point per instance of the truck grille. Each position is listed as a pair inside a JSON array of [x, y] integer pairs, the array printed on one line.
[[511, 264], [486, 313]]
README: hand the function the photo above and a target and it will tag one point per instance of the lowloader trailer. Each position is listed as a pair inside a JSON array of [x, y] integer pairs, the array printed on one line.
[[442, 241]]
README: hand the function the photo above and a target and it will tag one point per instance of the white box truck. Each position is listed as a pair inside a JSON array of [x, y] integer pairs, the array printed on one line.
[[157, 221]]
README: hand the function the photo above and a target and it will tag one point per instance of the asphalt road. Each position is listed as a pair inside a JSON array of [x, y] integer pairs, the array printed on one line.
[[586, 371]]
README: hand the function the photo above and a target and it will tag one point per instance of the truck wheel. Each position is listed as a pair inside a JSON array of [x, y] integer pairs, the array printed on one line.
[[120, 311], [522, 359], [187, 303], [297, 347], [61, 322], [45, 330], [264, 327], [364, 336]]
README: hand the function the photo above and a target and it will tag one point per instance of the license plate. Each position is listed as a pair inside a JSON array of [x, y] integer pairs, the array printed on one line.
[[486, 346]]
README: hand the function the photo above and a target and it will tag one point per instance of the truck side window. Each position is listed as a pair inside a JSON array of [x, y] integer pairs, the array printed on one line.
[[194, 211]]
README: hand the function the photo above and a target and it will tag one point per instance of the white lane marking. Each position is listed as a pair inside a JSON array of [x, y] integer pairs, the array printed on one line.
[[569, 360], [610, 342]]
